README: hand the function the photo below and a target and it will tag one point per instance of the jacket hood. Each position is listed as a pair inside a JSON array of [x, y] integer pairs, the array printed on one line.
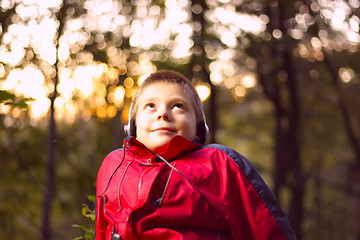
[[177, 146]]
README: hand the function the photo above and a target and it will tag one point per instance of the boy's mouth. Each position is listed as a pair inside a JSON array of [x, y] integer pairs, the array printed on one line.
[[164, 129]]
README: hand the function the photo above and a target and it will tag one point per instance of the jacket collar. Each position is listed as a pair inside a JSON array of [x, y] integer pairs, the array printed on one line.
[[177, 146]]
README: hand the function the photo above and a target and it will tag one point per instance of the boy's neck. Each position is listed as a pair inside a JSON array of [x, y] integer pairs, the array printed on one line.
[[177, 145]]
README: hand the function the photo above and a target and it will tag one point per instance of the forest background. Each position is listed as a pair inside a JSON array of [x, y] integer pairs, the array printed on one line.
[[279, 80]]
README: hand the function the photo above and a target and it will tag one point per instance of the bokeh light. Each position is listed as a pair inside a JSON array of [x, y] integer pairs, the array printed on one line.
[[203, 90], [346, 74], [28, 82], [87, 87]]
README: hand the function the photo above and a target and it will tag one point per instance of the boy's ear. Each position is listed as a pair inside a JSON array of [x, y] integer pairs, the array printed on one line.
[[201, 131], [130, 128]]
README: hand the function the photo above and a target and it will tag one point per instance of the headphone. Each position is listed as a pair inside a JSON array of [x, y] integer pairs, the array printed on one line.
[[201, 129]]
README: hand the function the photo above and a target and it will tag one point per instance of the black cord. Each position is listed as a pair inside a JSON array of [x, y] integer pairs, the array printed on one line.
[[113, 173], [114, 234]]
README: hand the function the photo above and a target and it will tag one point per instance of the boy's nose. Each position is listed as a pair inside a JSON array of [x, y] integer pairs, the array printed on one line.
[[163, 115]]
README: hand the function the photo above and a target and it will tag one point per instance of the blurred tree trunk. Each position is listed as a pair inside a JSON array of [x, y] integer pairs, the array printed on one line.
[[336, 82], [200, 62], [287, 146], [291, 153], [50, 181], [117, 131], [350, 130], [277, 76], [5, 18], [353, 168]]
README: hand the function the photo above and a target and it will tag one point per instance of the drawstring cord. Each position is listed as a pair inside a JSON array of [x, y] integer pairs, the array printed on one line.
[[122, 177], [114, 234], [160, 200], [111, 176]]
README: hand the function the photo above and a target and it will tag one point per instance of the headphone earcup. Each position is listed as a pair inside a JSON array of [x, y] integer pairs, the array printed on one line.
[[130, 129], [201, 131]]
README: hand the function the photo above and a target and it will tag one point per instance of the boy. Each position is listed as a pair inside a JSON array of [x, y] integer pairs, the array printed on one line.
[[214, 192]]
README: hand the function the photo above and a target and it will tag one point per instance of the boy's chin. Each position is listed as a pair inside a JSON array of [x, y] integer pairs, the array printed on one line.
[[160, 144]]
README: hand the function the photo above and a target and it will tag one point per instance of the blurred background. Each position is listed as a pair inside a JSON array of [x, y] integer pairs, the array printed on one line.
[[279, 81]]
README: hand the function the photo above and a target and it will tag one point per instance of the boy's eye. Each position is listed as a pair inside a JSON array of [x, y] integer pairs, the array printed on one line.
[[179, 106], [150, 105]]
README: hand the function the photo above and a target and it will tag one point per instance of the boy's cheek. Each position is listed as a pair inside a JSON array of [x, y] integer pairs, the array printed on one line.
[[140, 121]]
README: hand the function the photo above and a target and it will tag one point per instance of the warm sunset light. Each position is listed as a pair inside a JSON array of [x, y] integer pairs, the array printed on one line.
[[203, 91], [29, 82], [280, 84], [83, 82]]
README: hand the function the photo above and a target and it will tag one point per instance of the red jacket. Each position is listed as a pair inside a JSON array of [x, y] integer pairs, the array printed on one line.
[[210, 192]]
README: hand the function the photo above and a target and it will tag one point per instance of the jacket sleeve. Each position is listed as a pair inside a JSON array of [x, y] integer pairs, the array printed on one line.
[[108, 168], [100, 225], [254, 210]]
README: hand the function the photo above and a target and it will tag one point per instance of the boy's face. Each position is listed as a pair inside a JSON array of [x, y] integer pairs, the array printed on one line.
[[164, 110]]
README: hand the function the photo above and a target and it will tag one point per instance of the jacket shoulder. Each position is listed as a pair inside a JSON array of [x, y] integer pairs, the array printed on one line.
[[114, 156], [109, 164], [243, 164], [253, 177], [239, 159]]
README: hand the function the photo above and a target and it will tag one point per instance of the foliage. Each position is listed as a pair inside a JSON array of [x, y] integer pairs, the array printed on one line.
[[11, 99], [89, 231], [292, 72]]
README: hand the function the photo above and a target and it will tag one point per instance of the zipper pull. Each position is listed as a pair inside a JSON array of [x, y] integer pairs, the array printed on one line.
[[145, 164], [115, 236]]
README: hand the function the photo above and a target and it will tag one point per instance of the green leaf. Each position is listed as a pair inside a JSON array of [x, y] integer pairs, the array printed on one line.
[[92, 198], [79, 226], [5, 96], [84, 210], [12, 100], [21, 103], [90, 215]]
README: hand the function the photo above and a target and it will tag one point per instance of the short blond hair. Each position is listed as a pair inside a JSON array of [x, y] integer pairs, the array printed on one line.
[[171, 77]]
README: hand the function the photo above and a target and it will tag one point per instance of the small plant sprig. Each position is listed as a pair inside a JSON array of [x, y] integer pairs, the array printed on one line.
[[89, 231], [11, 99]]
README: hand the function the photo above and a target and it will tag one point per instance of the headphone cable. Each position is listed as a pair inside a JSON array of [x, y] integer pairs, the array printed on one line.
[[114, 234], [172, 167]]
